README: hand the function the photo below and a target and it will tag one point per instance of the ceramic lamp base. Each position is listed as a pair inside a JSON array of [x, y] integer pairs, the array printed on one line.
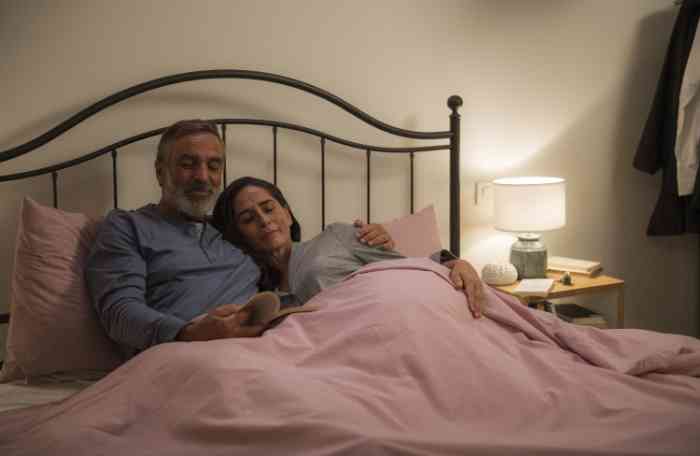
[[529, 256]]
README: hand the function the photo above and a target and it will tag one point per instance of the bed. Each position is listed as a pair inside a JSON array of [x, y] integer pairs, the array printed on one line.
[[392, 363]]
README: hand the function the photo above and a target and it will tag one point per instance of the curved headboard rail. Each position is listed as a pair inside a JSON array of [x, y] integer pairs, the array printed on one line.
[[262, 122], [138, 89], [453, 134]]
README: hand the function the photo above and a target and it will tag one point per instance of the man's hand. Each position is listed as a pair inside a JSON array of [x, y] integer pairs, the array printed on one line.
[[464, 277], [220, 323], [374, 234]]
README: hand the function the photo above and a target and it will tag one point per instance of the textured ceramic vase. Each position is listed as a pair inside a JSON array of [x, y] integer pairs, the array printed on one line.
[[499, 274]]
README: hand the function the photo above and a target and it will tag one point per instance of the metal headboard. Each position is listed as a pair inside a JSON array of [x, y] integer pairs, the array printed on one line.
[[453, 135]]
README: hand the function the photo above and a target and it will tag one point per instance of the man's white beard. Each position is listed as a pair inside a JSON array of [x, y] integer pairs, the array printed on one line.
[[194, 208]]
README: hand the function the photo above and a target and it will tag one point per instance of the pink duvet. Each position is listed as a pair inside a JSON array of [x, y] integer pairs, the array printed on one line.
[[393, 363]]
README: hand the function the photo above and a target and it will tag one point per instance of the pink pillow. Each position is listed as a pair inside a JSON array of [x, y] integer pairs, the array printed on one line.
[[53, 326], [416, 235]]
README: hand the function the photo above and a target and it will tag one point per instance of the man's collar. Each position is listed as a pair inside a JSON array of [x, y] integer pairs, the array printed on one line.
[[170, 212], [189, 218]]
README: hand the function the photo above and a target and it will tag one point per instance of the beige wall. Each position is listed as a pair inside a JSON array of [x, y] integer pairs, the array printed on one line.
[[551, 87]]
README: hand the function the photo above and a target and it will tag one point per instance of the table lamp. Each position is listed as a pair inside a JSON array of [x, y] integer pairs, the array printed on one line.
[[527, 206]]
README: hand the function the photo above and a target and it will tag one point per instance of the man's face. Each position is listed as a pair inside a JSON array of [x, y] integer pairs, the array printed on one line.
[[190, 176]]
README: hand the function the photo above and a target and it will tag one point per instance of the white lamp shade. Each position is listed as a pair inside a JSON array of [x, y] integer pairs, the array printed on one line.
[[529, 204]]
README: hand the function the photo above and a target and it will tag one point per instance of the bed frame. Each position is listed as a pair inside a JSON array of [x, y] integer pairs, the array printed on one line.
[[452, 135]]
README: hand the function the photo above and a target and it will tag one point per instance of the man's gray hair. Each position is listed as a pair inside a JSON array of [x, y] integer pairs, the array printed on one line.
[[183, 128]]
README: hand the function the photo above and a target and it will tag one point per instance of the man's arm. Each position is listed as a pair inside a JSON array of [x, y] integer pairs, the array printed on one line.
[[228, 320], [116, 281]]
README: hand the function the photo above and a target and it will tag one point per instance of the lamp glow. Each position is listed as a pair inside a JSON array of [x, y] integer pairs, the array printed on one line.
[[529, 206]]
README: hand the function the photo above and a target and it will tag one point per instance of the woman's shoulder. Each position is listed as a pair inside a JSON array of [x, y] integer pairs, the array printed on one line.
[[339, 227], [342, 231], [333, 234]]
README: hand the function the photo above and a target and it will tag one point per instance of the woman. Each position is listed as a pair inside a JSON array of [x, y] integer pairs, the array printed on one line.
[[254, 215]]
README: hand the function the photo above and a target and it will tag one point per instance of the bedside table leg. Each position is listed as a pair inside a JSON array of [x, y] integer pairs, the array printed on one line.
[[621, 307]]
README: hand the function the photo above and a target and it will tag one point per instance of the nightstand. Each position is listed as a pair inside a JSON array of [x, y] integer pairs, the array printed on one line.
[[582, 285]]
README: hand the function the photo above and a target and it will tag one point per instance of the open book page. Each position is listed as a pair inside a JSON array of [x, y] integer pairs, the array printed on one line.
[[266, 309]]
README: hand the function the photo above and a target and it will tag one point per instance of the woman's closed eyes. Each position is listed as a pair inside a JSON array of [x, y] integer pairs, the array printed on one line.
[[249, 215]]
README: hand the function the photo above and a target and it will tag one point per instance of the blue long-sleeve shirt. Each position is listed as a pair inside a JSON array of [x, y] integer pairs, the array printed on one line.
[[149, 274]]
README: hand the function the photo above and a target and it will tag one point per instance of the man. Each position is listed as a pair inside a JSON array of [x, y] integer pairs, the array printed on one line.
[[152, 270]]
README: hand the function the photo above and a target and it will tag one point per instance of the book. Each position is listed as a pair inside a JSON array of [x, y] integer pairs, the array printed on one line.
[[266, 309], [534, 287], [543, 305], [574, 265], [573, 313]]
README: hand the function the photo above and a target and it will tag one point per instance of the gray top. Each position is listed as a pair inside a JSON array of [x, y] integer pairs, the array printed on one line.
[[149, 274], [328, 258]]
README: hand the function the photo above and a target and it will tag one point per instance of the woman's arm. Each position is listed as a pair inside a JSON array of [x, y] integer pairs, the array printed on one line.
[[464, 277], [462, 274], [374, 235]]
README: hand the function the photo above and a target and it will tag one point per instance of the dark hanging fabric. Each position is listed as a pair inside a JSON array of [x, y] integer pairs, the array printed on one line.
[[673, 214]]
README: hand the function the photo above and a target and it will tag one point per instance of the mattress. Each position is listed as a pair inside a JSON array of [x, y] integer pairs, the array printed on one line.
[[22, 394]]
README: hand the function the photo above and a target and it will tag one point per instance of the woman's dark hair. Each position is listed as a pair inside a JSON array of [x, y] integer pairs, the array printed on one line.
[[223, 219]]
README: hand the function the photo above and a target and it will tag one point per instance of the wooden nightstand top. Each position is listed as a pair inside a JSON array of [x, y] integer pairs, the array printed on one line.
[[582, 284]]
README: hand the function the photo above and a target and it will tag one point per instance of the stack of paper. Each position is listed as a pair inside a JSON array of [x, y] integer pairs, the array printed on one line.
[[534, 287]]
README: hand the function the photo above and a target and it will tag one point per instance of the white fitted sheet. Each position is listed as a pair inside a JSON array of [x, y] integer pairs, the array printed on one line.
[[20, 394]]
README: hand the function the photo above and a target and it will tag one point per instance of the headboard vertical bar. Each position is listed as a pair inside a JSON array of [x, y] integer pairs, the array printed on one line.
[[369, 187], [454, 102], [412, 154], [223, 139], [114, 179], [323, 184], [54, 178], [274, 152]]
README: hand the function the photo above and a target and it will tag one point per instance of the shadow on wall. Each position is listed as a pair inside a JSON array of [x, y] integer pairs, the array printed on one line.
[[668, 266], [158, 100], [661, 273], [40, 125], [633, 186]]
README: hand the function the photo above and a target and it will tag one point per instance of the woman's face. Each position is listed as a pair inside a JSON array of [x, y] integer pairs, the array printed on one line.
[[261, 219]]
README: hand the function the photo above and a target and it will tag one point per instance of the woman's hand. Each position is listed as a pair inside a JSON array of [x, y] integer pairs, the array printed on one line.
[[464, 277], [374, 234], [223, 322]]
